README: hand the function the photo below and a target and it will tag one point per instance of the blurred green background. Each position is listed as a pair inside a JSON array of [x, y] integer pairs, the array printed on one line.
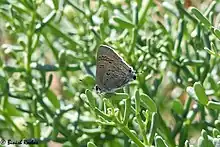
[[47, 69]]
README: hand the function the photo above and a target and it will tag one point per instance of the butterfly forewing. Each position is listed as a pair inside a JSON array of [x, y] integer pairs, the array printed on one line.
[[106, 53]]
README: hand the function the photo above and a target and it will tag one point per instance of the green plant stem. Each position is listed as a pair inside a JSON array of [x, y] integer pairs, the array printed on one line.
[[76, 7], [8, 118], [55, 52], [210, 8], [182, 10], [134, 138], [61, 128], [63, 35], [102, 114], [180, 124], [142, 129], [28, 64], [133, 41], [127, 110], [144, 12], [165, 131], [177, 47], [119, 124]]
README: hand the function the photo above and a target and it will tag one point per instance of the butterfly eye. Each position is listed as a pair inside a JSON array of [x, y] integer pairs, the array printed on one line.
[[134, 77], [130, 70], [96, 88]]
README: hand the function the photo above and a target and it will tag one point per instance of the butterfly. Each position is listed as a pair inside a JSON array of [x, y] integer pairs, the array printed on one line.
[[112, 72]]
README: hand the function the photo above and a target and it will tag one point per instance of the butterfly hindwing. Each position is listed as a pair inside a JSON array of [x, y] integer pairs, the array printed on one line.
[[114, 79], [112, 71]]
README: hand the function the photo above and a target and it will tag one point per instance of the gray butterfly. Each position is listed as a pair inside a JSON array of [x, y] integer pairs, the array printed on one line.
[[112, 72]]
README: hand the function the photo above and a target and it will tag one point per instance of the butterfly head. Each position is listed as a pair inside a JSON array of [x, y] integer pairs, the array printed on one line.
[[97, 89], [131, 74]]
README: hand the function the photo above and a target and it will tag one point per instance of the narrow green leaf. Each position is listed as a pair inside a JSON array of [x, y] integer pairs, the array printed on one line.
[[91, 99], [37, 129], [193, 62], [45, 21], [135, 13], [60, 33], [171, 8], [204, 134], [1, 62], [201, 17], [132, 135], [153, 127], [88, 80], [217, 124], [96, 33], [157, 83], [62, 58], [55, 127], [214, 48], [56, 4], [209, 51], [127, 111], [103, 115], [141, 127], [3, 85], [215, 132], [210, 144], [137, 101], [13, 69], [91, 144], [217, 32], [182, 10], [213, 83], [92, 130], [177, 106], [213, 105], [133, 41], [143, 12], [11, 110], [183, 134], [210, 8], [148, 103], [67, 144], [177, 47], [159, 142], [202, 142], [200, 93], [53, 98], [105, 16], [116, 96], [74, 5], [49, 82], [123, 23]]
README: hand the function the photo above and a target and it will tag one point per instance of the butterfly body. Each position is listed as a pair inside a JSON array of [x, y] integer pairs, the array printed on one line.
[[112, 72]]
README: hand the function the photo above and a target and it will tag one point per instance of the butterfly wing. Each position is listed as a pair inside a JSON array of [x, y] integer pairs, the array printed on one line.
[[115, 77], [102, 65], [106, 52], [112, 71]]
